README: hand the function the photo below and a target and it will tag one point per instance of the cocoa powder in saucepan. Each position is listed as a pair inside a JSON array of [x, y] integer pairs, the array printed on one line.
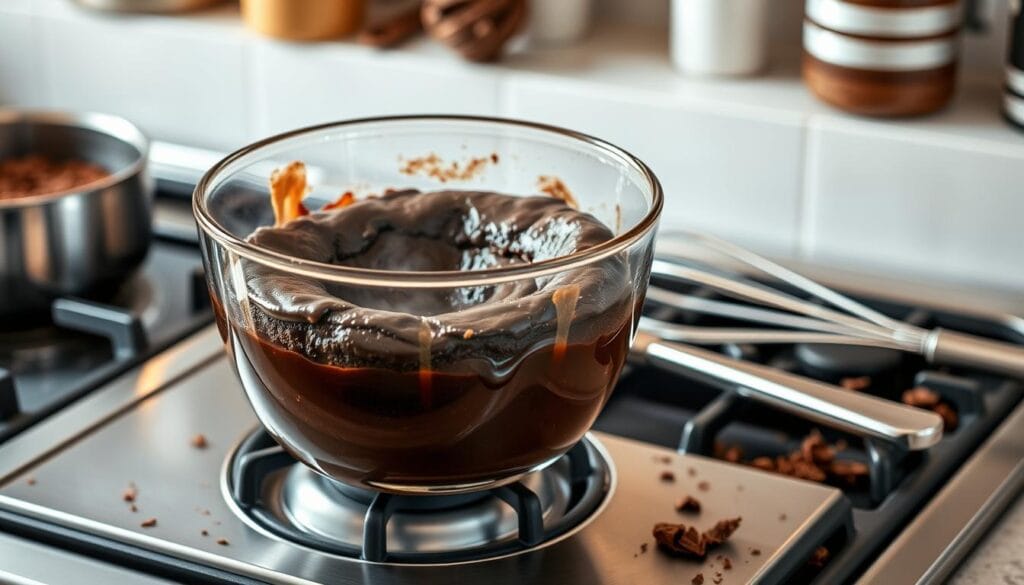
[[38, 175]]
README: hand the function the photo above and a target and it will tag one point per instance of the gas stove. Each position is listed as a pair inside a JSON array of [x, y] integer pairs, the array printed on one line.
[[142, 461]]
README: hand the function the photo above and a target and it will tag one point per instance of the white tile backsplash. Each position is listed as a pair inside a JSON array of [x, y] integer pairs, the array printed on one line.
[[756, 160], [178, 83], [299, 85], [19, 62], [736, 176], [912, 204]]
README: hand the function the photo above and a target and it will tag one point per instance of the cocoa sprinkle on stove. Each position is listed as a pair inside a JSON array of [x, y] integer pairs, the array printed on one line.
[[727, 564], [205, 532], [199, 441], [130, 493], [223, 541], [667, 476], [688, 504], [148, 523], [698, 579], [922, 397], [756, 552], [31, 481], [704, 486], [683, 540]]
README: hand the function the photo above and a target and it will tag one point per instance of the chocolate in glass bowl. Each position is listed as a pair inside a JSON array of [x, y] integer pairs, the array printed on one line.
[[442, 387], [430, 358]]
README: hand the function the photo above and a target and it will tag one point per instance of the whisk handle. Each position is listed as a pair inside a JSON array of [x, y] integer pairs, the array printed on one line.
[[861, 414], [952, 348]]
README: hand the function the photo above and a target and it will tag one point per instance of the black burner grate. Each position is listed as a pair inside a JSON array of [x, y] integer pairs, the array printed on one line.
[[660, 408], [258, 458]]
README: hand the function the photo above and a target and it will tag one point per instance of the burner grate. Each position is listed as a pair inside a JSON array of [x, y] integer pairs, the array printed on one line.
[[701, 419], [258, 483]]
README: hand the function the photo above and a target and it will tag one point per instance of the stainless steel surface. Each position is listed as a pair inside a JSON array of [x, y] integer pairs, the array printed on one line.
[[70, 242], [862, 414], [149, 444], [30, 563], [841, 315], [933, 544], [309, 502], [146, 5], [92, 411]]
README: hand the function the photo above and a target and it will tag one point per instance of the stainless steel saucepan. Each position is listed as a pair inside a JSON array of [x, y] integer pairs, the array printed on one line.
[[78, 241]]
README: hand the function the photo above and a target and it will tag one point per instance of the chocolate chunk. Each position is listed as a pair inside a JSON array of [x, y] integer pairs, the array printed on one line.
[[698, 579], [733, 454], [679, 539], [688, 504], [819, 557], [148, 523], [199, 441], [950, 419], [721, 531], [921, 397], [856, 384], [667, 476]]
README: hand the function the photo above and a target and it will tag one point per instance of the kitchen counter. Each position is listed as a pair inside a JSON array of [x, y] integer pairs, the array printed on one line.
[[999, 557]]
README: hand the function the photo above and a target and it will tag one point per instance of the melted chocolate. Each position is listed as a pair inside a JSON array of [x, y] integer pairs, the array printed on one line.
[[433, 387]]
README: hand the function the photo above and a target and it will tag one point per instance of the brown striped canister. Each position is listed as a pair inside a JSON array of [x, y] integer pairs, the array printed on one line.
[[882, 57]]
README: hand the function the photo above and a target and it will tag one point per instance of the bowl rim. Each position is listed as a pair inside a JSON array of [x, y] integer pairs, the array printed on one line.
[[110, 125], [437, 278]]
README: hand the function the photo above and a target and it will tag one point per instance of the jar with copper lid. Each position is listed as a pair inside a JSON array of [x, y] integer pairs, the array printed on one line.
[[304, 20], [882, 57]]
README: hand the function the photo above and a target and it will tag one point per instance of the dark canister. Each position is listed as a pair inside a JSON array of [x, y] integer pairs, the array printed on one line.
[[1013, 99], [882, 57]]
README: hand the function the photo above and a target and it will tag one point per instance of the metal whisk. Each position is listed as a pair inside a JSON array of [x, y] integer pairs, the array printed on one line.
[[838, 320]]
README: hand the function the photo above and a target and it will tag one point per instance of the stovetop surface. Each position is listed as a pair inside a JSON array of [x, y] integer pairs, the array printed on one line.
[[149, 447], [43, 368]]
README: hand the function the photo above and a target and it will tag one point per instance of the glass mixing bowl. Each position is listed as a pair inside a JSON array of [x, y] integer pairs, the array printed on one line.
[[409, 377]]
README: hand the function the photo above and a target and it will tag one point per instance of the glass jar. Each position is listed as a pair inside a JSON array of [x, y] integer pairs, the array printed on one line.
[[403, 377], [882, 57]]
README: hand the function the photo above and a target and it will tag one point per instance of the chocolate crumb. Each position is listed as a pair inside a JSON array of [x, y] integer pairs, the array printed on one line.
[[717, 578], [665, 459], [849, 471], [782, 517], [494, 158], [643, 548], [691, 471], [698, 579], [704, 486], [727, 564], [199, 441], [856, 384], [223, 541], [686, 541], [134, 508], [148, 523], [204, 532], [819, 557], [31, 481], [667, 476], [130, 493], [721, 531], [688, 504], [756, 552]]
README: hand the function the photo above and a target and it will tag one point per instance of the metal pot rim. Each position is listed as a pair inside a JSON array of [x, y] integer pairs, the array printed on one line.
[[114, 126]]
